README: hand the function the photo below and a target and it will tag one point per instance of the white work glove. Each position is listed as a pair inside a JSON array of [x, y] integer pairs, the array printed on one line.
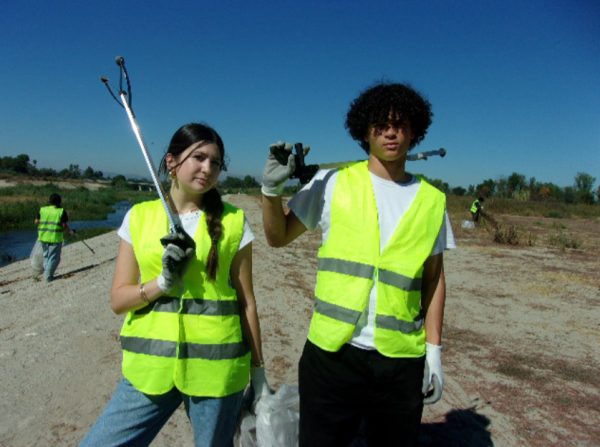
[[433, 378], [276, 174], [180, 248], [260, 385]]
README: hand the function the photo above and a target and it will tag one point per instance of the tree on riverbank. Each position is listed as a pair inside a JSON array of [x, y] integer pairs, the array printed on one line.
[[22, 164]]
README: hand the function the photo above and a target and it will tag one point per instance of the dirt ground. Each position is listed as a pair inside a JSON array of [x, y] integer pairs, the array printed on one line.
[[521, 339]]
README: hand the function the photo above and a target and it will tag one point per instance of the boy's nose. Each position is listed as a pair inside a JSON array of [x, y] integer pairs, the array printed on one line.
[[391, 129]]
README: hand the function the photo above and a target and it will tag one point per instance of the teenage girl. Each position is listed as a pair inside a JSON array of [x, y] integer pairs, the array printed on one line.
[[191, 333]]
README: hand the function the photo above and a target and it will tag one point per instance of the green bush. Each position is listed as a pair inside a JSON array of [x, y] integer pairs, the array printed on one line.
[[563, 241], [513, 235]]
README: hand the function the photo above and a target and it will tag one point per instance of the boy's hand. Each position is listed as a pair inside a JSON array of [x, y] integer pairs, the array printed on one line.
[[433, 378], [275, 174]]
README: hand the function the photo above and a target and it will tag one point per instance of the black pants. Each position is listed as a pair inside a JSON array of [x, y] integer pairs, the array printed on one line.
[[341, 390]]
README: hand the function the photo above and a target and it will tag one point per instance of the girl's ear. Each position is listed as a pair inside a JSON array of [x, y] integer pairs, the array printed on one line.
[[169, 161]]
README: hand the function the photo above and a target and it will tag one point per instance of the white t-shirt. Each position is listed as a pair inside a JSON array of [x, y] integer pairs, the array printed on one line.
[[189, 221], [312, 206]]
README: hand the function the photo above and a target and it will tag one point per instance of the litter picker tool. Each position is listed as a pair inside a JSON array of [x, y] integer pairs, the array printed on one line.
[[304, 172], [124, 100], [85, 243], [424, 155]]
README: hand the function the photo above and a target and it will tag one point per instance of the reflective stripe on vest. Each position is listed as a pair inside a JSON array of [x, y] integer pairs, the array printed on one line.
[[163, 348], [191, 306], [350, 263], [50, 229], [194, 341], [367, 271]]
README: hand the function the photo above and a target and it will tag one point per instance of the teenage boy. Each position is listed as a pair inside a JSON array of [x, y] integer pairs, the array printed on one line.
[[373, 354]]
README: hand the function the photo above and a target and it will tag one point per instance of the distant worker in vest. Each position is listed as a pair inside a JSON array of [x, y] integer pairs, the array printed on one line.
[[477, 208], [191, 333], [52, 224], [373, 354]]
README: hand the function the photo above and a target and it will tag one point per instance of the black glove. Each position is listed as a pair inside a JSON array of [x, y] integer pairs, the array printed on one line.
[[179, 250], [278, 171]]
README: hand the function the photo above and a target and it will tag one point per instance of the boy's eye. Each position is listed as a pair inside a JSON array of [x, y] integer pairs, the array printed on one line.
[[396, 124]]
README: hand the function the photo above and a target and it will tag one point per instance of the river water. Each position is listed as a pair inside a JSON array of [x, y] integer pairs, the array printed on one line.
[[17, 245]]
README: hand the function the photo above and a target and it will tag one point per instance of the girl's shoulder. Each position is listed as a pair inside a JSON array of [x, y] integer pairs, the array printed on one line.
[[230, 208], [145, 208], [232, 212], [147, 205]]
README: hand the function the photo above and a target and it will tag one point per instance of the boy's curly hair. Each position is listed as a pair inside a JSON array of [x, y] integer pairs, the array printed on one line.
[[375, 104]]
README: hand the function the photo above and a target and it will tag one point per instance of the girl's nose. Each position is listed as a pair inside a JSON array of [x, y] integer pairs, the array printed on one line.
[[207, 166]]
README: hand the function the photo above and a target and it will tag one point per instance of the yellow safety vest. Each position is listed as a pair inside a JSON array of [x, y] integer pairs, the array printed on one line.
[[475, 206], [193, 341], [50, 230], [350, 262]]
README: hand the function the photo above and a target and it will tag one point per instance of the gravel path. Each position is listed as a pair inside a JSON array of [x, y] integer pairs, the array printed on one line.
[[522, 345]]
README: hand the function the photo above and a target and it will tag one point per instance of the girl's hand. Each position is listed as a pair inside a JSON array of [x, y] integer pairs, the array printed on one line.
[[180, 248], [260, 385]]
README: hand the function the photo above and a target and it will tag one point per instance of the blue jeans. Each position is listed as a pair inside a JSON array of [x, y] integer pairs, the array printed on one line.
[[133, 418], [51, 259]]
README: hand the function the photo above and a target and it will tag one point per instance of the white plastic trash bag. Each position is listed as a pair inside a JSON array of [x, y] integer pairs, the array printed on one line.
[[277, 418], [37, 258], [467, 224], [245, 435]]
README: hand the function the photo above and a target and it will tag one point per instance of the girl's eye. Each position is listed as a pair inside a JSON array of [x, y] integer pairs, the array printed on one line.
[[213, 162]]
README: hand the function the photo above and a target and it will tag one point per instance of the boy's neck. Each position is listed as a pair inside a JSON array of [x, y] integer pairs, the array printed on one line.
[[388, 170]]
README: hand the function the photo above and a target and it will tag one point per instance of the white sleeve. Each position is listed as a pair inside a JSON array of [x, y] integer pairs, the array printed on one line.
[[124, 232], [308, 203], [445, 240], [248, 235]]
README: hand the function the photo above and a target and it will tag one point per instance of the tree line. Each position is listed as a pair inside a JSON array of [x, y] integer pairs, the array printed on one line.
[[515, 186], [22, 164]]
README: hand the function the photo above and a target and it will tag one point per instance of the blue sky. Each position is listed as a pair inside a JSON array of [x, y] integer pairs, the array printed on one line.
[[515, 85]]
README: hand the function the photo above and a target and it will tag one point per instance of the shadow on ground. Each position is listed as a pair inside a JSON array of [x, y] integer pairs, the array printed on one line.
[[462, 428], [72, 272]]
